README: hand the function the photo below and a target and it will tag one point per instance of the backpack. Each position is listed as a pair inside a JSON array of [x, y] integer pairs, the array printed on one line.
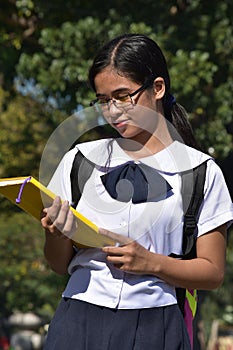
[[192, 195]]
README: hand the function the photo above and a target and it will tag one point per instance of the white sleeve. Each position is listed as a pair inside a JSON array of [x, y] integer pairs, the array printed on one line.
[[217, 207], [60, 182]]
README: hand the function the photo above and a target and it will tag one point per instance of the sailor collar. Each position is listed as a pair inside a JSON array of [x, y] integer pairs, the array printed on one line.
[[175, 158]]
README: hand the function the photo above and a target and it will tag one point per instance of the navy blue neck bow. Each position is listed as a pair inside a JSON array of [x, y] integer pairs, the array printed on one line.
[[138, 182]]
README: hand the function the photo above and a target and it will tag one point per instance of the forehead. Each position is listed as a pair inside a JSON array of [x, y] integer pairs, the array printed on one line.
[[109, 80]]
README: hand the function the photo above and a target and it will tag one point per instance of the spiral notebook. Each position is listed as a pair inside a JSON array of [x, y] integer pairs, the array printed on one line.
[[31, 196]]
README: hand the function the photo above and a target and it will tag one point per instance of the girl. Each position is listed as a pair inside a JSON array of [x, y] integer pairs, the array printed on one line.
[[123, 296]]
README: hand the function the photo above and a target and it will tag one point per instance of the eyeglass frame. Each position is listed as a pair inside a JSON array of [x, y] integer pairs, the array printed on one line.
[[140, 89]]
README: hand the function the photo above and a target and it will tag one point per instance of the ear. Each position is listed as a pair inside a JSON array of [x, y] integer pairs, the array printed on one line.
[[159, 88]]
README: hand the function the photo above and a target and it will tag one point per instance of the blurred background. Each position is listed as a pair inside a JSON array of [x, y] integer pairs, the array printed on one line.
[[46, 48]]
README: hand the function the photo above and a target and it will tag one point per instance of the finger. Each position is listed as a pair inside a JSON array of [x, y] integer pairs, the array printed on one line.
[[118, 238], [53, 211], [116, 261], [46, 221], [71, 225], [61, 217], [43, 213]]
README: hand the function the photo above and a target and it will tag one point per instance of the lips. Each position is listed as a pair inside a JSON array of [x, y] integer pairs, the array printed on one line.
[[120, 123]]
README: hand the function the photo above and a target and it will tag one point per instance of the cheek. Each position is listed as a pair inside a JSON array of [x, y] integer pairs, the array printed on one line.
[[107, 117], [148, 101]]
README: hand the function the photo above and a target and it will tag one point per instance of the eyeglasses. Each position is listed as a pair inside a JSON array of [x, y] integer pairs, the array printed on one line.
[[121, 100]]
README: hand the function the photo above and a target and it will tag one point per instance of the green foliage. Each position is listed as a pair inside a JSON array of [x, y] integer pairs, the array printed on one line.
[[217, 304], [25, 277], [61, 68], [195, 64], [198, 71], [220, 143], [25, 127]]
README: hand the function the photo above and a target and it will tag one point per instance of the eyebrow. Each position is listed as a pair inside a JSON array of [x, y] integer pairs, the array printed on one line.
[[124, 89]]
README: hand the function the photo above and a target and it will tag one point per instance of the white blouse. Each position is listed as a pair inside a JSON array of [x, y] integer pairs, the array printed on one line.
[[156, 224]]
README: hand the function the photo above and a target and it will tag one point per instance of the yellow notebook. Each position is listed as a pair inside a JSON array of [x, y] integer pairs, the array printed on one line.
[[31, 196]]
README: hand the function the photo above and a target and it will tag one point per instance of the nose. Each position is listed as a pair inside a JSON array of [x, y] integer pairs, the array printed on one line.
[[114, 111]]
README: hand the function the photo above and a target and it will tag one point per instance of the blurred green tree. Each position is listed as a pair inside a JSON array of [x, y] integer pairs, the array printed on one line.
[[26, 281]]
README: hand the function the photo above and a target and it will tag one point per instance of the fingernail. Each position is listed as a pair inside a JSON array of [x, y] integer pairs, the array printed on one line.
[[57, 200]]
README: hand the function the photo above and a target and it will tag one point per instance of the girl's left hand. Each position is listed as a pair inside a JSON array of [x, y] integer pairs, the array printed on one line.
[[206, 271], [130, 256]]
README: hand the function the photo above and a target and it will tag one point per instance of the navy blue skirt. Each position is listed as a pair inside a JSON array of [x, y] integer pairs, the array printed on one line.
[[78, 325]]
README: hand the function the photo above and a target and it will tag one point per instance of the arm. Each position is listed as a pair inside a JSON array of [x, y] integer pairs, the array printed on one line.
[[204, 272], [58, 248]]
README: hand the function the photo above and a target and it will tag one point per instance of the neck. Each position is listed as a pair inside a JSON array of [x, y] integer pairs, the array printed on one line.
[[146, 144], [137, 150]]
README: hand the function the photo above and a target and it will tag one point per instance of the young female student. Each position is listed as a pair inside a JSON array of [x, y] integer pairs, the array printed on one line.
[[123, 296]]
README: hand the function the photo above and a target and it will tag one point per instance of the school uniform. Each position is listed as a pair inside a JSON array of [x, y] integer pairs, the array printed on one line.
[[103, 307]]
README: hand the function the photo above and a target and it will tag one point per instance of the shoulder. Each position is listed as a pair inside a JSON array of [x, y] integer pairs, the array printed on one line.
[[214, 175], [96, 151], [92, 150], [188, 158], [177, 158]]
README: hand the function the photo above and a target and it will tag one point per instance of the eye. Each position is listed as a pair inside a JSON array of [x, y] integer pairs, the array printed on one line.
[[102, 100], [122, 98]]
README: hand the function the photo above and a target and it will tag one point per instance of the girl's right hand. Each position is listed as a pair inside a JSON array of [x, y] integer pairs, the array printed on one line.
[[58, 220]]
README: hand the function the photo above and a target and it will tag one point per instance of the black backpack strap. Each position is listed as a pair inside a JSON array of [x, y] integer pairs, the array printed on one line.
[[192, 200], [192, 195], [191, 208], [81, 170]]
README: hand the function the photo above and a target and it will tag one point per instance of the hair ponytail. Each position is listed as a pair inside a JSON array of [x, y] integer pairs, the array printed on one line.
[[178, 117], [182, 125]]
